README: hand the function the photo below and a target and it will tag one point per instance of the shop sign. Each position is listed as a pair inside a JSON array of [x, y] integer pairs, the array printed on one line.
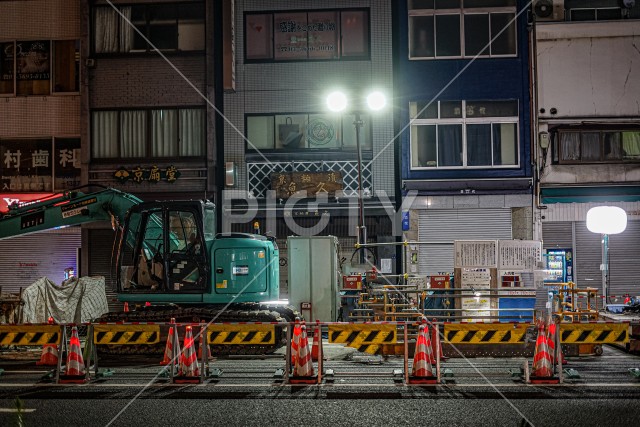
[[142, 174], [314, 183]]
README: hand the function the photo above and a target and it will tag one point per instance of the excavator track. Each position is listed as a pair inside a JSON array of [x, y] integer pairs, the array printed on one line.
[[238, 312]]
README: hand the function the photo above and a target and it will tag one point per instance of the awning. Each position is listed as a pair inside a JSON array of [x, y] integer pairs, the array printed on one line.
[[586, 194]]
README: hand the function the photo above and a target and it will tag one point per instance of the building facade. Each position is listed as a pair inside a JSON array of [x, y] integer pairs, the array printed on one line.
[[40, 130], [587, 149], [279, 135], [463, 120]]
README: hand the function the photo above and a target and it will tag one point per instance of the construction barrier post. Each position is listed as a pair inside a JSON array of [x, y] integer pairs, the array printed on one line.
[[174, 349], [437, 346], [62, 349], [205, 351], [558, 353], [406, 353], [288, 355], [320, 355]]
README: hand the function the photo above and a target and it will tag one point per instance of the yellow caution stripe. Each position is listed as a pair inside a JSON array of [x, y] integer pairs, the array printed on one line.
[[594, 333], [485, 333], [126, 334], [239, 334], [29, 335], [364, 337]]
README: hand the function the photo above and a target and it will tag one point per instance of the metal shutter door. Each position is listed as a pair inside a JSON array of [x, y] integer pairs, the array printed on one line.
[[557, 235], [624, 256], [587, 257], [441, 227], [103, 263], [25, 259]]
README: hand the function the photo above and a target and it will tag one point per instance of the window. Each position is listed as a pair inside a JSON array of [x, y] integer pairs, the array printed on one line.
[[45, 164], [595, 14], [598, 146], [304, 132], [39, 67], [161, 133], [461, 28], [302, 35], [172, 26], [464, 134]]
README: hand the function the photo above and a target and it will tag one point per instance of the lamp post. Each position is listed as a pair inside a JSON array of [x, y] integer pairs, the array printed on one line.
[[606, 220], [375, 101]]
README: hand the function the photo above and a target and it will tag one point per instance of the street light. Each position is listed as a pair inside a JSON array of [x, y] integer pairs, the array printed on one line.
[[606, 220], [375, 101]]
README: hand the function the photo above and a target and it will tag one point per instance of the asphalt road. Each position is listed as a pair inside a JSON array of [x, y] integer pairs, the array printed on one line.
[[364, 392]]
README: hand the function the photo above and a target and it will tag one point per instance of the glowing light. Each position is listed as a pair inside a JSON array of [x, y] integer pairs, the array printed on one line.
[[606, 220]]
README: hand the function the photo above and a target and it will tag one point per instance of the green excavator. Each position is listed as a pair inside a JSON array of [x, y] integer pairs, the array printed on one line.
[[170, 255]]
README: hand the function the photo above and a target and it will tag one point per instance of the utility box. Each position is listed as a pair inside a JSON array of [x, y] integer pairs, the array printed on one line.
[[314, 274]]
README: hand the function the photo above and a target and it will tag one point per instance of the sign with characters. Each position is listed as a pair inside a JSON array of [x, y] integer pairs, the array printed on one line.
[[314, 183], [153, 173]]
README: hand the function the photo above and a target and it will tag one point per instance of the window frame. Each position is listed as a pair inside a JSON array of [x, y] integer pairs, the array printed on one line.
[[148, 50], [462, 12], [148, 144], [339, 12], [343, 122], [557, 148], [464, 121], [52, 67]]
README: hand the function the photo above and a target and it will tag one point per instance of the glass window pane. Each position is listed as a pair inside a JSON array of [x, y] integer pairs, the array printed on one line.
[[449, 145], [447, 35], [423, 146], [492, 109], [323, 131], [6, 68], [192, 132], [104, 134], [164, 133], [631, 145], [106, 30], [423, 110], [608, 14], [583, 15], [355, 33], [590, 146], [260, 133], [290, 130], [349, 132], [450, 109], [612, 145], [66, 163], [259, 34], [505, 43], [139, 20], [489, 3], [569, 146], [191, 27], [26, 164], [33, 67], [323, 35], [421, 43], [163, 26], [421, 4], [479, 145], [289, 36], [66, 66], [133, 133], [476, 34], [447, 4], [505, 144]]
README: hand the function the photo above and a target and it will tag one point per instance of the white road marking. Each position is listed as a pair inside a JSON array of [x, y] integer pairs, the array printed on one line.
[[15, 410]]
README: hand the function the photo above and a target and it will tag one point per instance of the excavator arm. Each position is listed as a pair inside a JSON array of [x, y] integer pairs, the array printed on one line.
[[65, 209]]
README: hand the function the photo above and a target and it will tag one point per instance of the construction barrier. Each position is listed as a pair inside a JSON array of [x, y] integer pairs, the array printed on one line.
[[365, 337], [241, 334], [594, 333], [126, 334], [485, 333], [29, 335]]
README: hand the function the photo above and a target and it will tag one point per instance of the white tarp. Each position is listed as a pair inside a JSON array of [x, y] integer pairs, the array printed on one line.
[[76, 300]]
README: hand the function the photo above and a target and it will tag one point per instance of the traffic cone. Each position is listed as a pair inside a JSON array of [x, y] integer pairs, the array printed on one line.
[[436, 343], [189, 368], [49, 356], [551, 342], [147, 304], [542, 360], [315, 345], [168, 349], [75, 369], [294, 342], [303, 370], [422, 370], [126, 307]]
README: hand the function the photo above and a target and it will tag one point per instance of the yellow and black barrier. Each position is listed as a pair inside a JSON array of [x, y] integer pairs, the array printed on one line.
[[29, 335], [594, 333], [241, 334], [126, 334], [485, 333], [364, 337]]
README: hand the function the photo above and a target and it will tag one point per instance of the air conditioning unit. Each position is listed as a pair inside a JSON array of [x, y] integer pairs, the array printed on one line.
[[548, 10]]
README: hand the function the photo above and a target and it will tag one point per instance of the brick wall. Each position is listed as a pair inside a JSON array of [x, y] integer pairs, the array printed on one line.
[[34, 19]]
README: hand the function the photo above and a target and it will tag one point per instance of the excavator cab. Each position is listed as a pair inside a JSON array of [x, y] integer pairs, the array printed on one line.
[[165, 250]]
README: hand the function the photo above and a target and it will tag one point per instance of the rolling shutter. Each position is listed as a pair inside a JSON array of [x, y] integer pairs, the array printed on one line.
[[588, 257], [624, 256], [103, 263]]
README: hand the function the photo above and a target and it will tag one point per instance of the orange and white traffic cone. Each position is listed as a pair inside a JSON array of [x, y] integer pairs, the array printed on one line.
[[422, 370], [295, 339], [75, 369], [551, 342], [49, 356], [315, 345], [303, 372], [168, 349], [542, 372], [188, 361]]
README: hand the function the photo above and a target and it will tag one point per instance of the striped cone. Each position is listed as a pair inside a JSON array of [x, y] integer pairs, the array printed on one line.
[[75, 362], [295, 340], [189, 362], [542, 361], [168, 349], [315, 345], [303, 366], [423, 356], [49, 356], [551, 342]]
